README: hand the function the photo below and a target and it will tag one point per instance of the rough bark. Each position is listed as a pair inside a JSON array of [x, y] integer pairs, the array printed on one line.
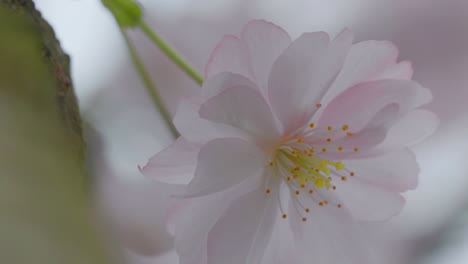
[[45, 216]]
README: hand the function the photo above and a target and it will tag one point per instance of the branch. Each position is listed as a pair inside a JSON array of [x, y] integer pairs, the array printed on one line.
[[46, 216]]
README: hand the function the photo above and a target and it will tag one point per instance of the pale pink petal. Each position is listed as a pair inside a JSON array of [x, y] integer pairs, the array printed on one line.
[[371, 135], [196, 257], [244, 108], [223, 81], [230, 55], [198, 130], [329, 235], [173, 214], [411, 129], [357, 105], [242, 233], [175, 164], [395, 171], [368, 202], [281, 248], [203, 212], [134, 209], [264, 42], [196, 220], [375, 131], [402, 70], [365, 61], [302, 74], [223, 163]]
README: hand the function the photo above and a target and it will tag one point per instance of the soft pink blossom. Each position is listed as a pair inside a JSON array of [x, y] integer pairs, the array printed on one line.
[[290, 146]]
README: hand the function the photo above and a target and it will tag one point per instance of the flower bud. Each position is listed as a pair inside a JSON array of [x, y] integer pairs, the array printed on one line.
[[127, 12]]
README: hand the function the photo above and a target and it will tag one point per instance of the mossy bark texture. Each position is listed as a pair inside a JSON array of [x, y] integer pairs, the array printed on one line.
[[45, 212]]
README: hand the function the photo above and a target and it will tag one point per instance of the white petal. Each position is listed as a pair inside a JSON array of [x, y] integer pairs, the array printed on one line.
[[396, 171], [242, 233], [134, 210], [223, 163], [194, 223], [357, 105], [175, 165], [375, 131], [302, 75], [230, 55], [281, 248], [198, 130], [200, 215], [328, 236], [223, 81], [264, 42], [402, 70], [411, 129], [368, 202], [242, 107], [364, 61]]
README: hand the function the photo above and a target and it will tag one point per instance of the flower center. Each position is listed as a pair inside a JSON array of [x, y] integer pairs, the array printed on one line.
[[302, 164]]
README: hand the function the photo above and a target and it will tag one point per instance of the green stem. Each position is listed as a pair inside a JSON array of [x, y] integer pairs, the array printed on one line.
[[150, 87], [171, 53]]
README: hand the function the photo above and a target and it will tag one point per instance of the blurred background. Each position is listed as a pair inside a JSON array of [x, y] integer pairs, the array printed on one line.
[[123, 129]]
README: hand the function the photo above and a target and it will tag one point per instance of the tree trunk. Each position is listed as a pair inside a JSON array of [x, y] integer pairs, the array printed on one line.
[[46, 215]]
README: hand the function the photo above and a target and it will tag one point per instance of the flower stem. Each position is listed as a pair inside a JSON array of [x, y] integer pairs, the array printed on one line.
[[150, 87], [171, 53]]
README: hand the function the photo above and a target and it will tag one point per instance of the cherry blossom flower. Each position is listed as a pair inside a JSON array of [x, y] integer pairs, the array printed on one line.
[[291, 146]]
